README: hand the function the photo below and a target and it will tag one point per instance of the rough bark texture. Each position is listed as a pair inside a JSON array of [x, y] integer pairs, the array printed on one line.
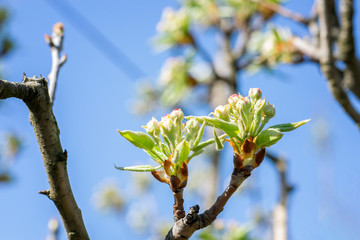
[[186, 226], [34, 92], [327, 64]]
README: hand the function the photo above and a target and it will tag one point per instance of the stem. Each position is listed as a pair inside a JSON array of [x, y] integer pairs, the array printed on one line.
[[178, 204], [186, 226]]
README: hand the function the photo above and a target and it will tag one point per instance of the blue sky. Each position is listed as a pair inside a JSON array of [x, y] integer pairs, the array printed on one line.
[[93, 100]]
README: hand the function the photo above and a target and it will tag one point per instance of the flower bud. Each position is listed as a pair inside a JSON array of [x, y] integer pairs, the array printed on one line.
[[255, 94], [269, 110], [177, 115], [153, 127], [192, 128], [222, 112], [233, 99]]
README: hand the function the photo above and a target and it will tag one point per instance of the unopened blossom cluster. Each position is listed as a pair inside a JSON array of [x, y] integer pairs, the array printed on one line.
[[243, 120], [172, 143]]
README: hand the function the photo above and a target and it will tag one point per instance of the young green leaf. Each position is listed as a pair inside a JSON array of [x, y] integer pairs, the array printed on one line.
[[199, 136], [268, 137], [287, 127], [181, 152], [230, 128], [219, 144], [140, 168], [138, 139]]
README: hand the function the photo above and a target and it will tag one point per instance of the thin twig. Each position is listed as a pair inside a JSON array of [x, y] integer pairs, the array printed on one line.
[[55, 43], [286, 12], [280, 214]]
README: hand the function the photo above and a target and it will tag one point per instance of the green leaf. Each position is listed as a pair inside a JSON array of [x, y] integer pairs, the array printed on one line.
[[219, 144], [140, 168], [287, 127], [198, 137], [138, 139], [268, 137], [231, 129], [182, 151]]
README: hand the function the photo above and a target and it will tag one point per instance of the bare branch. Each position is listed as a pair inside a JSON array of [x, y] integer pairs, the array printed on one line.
[[346, 46], [179, 204], [327, 61], [55, 43], [185, 227], [34, 92], [286, 12], [280, 213]]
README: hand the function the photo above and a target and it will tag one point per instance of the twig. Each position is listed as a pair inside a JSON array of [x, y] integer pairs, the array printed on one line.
[[34, 92], [55, 43], [186, 226], [178, 204], [53, 226], [327, 61], [286, 12], [280, 214]]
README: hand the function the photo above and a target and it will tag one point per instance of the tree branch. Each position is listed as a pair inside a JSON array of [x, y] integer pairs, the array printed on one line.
[[327, 61], [178, 204], [34, 92], [346, 46], [186, 226], [280, 214], [285, 12]]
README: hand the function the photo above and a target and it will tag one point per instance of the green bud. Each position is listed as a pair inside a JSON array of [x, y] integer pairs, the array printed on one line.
[[177, 115], [222, 112], [233, 99], [269, 110], [256, 122], [153, 127], [255, 94], [168, 130], [192, 128]]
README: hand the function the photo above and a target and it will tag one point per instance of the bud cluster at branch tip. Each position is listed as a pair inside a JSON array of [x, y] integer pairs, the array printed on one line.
[[243, 120], [172, 144]]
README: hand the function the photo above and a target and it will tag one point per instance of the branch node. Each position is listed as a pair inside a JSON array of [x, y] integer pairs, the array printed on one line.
[[192, 215], [45, 192]]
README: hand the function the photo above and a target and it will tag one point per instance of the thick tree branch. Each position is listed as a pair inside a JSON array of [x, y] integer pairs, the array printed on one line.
[[346, 46], [185, 227], [34, 92], [327, 61]]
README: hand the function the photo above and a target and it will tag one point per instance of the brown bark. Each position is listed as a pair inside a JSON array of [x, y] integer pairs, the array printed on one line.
[[34, 92]]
